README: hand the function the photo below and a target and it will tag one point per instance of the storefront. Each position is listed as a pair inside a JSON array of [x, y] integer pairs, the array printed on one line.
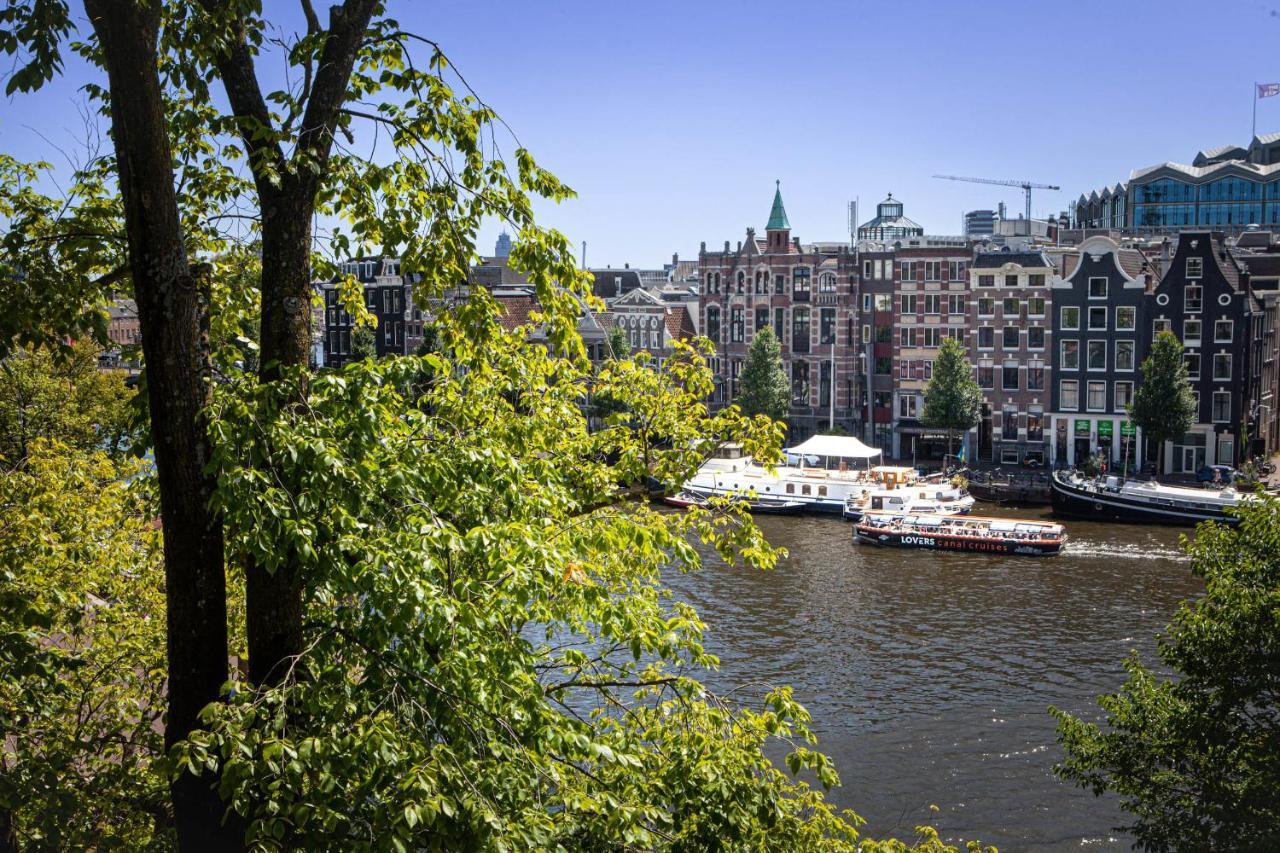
[[924, 445], [1077, 437]]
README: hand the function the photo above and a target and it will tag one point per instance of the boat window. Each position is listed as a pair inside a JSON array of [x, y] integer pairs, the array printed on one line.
[[804, 490], [791, 488], [822, 491]]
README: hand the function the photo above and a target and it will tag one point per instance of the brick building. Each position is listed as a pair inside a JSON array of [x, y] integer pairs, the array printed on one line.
[[388, 296], [809, 296]]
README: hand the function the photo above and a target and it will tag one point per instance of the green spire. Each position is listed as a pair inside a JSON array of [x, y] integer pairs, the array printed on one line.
[[778, 216]]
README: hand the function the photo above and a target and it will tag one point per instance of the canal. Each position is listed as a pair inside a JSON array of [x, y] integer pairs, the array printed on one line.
[[929, 674]]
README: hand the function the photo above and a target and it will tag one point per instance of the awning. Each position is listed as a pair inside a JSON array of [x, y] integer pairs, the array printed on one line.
[[834, 447]]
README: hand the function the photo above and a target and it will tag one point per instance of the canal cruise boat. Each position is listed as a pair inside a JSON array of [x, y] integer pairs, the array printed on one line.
[[822, 474], [1115, 499], [972, 534]]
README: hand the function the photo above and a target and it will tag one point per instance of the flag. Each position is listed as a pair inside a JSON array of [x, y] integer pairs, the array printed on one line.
[[1266, 90]]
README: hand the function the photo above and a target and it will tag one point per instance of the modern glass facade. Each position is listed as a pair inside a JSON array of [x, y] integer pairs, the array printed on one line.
[[1230, 202]]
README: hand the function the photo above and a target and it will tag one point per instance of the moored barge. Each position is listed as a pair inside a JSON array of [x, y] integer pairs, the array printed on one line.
[[973, 534], [757, 505], [1113, 499]]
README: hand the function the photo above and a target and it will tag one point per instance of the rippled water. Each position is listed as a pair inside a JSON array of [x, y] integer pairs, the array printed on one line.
[[928, 674]]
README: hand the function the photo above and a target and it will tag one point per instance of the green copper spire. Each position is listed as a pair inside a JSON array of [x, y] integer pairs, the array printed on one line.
[[778, 216]]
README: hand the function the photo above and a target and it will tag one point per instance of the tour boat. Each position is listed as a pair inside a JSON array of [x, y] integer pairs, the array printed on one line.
[[962, 533], [922, 499], [1116, 499], [822, 474], [759, 505]]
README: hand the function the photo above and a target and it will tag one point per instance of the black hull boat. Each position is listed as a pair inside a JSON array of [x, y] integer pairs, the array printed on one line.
[[1111, 499], [973, 535], [759, 506]]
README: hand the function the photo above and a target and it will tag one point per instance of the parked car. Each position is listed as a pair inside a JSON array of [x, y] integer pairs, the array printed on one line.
[[1223, 474]]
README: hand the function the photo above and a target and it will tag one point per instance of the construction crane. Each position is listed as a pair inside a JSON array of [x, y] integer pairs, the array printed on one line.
[[1027, 186]]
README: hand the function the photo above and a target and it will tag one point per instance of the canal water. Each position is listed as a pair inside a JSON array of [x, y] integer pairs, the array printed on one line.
[[929, 674]]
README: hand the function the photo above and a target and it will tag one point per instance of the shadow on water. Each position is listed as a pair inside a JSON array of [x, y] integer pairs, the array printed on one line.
[[928, 674]]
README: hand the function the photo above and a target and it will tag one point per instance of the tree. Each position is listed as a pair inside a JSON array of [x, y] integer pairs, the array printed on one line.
[[82, 648], [764, 389], [1163, 406], [952, 399], [62, 396], [363, 344], [619, 346], [1193, 749]]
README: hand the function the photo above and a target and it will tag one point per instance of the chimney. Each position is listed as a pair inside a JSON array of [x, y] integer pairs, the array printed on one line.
[[626, 266]]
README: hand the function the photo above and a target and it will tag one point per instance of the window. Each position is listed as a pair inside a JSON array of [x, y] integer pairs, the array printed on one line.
[[1035, 337], [907, 336], [1069, 317], [1191, 333], [986, 376], [883, 365], [1222, 331], [933, 270], [799, 329], [827, 283], [1035, 425], [908, 270], [866, 269], [1222, 367], [388, 333], [713, 323], [1097, 355], [986, 307], [1161, 324], [1193, 298], [1009, 337], [1124, 396], [907, 406], [1069, 394], [955, 270], [1011, 281], [762, 318], [1010, 308], [800, 383], [1009, 376], [884, 334], [1009, 424], [986, 281], [1035, 306], [1226, 449], [735, 324], [955, 304], [1098, 288], [986, 338], [800, 281], [928, 369], [1035, 376], [1036, 279], [824, 386], [827, 326], [780, 284], [1125, 352], [1097, 401], [1070, 355], [1097, 318], [1221, 407], [1193, 364], [1195, 267], [1126, 318], [933, 303], [884, 301], [932, 336], [780, 323], [908, 303]]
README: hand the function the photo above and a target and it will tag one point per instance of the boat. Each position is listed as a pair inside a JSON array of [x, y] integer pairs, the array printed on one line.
[[974, 534], [1115, 499], [822, 474], [922, 499], [1017, 487], [756, 505]]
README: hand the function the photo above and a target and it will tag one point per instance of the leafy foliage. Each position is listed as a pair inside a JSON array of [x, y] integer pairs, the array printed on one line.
[[1163, 405], [82, 648], [1195, 756], [952, 399], [619, 346], [764, 388], [64, 397], [363, 344]]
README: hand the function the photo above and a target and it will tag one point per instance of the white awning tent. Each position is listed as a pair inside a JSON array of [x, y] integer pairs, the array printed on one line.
[[833, 447]]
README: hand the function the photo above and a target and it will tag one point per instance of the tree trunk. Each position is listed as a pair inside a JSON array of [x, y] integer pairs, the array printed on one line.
[[273, 600], [170, 315]]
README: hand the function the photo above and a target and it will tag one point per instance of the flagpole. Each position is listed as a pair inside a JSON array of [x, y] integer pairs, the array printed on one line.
[[1255, 112]]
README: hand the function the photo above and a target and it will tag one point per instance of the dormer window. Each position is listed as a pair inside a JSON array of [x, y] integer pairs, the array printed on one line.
[[1195, 267]]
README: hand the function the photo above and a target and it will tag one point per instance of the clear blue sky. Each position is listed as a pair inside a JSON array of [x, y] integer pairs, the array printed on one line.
[[672, 119]]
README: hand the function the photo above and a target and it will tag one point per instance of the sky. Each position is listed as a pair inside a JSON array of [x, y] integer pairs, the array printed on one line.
[[673, 120]]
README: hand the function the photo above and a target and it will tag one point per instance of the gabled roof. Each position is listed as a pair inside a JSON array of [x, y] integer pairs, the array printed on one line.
[[610, 283], [778, 215], [679, 323]]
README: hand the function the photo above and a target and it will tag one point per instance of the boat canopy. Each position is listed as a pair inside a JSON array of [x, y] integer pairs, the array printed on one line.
[[834, 447]]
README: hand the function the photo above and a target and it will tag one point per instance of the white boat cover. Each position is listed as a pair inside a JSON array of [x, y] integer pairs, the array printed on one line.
[[834, 446]]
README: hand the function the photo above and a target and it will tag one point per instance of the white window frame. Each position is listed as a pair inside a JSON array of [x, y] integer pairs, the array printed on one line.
[[1213, 407], [1062, 353], [1133, 365], [1133, 324], [1106, 286], [1105, 314], [1231, 327], [1088, 366], [1089, 386], [1216, 357], [1187, 339], [1062, 394], [1126, 384], [1062, 318]]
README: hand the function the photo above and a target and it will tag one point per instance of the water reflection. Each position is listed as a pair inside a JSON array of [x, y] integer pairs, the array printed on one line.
[[928, 674]]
